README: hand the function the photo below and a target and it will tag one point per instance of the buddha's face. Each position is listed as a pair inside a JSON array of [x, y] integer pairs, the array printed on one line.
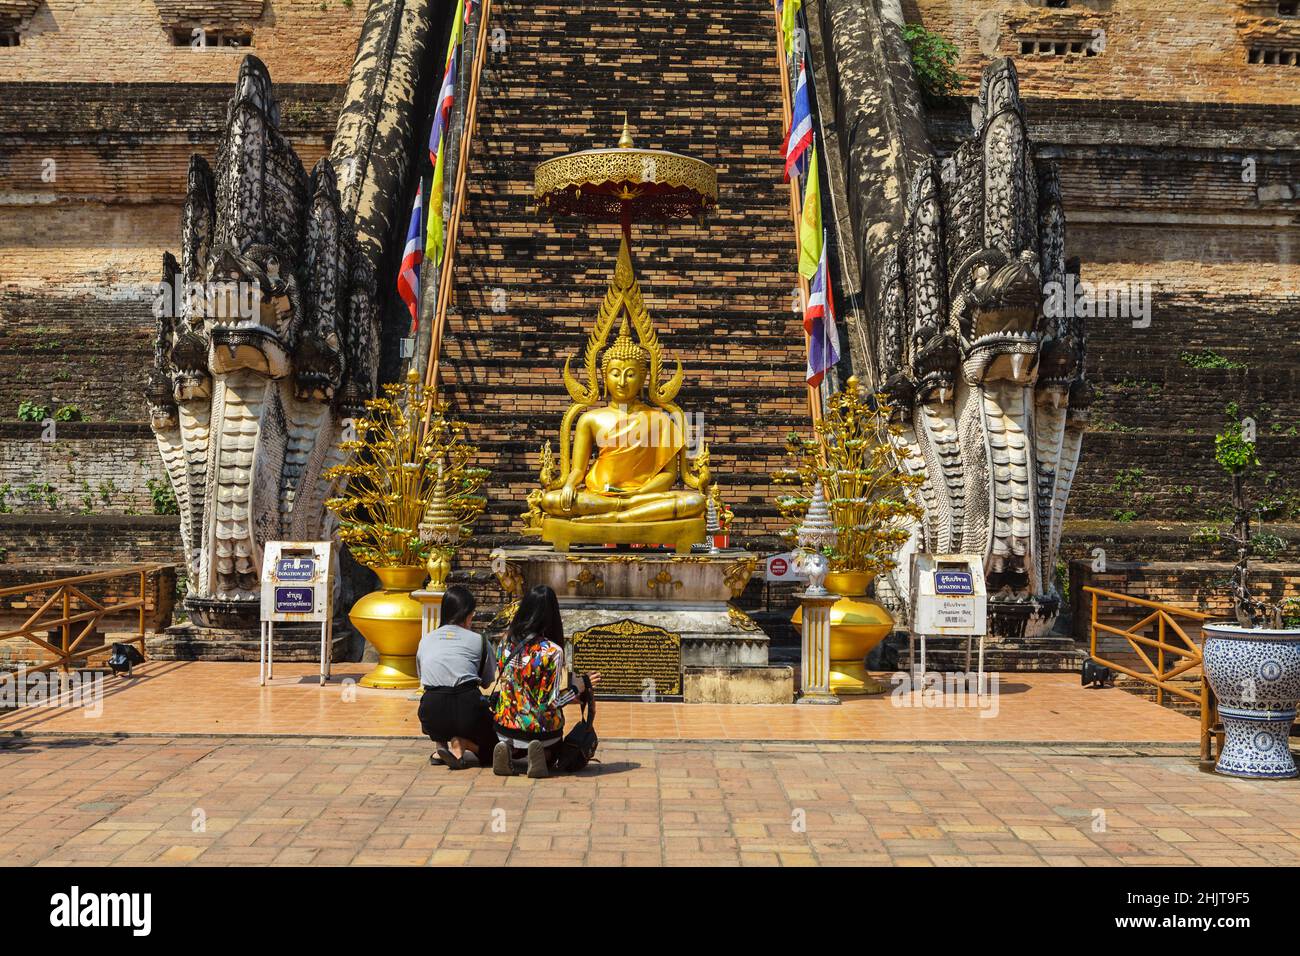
[[623, 380]]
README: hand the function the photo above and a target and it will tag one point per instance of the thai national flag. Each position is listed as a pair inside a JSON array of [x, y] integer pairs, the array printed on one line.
[[819, 323], [800, 136], [408, 277], [442, 105]]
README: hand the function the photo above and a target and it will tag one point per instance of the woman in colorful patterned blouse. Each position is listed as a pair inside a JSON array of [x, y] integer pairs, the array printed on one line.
[[532, 686]]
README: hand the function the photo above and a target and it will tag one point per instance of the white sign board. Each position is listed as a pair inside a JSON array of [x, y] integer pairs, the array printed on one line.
[[948, 594], [297, 581], [781, 567], [297, 587]]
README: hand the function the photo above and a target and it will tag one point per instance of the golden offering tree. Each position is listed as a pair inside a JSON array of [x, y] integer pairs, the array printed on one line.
[[411, 492], [871, 499]]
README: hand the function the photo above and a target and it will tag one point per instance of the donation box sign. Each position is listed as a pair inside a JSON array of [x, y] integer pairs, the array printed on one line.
[[948, 594], [297, 581]]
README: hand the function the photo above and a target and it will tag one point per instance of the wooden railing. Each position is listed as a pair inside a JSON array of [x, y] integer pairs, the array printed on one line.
[[1175, 655], [74, 616]]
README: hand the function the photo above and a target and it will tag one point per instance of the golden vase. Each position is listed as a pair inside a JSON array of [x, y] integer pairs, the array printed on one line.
[[390, 620], [858, 624]]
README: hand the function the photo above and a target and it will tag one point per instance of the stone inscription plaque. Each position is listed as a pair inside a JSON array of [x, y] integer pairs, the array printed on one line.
[[628, 656]]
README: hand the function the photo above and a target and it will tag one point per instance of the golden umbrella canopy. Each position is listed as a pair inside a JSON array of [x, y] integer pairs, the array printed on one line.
[[625, 185]]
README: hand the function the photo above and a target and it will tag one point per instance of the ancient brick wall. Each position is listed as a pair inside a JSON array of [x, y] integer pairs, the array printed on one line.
[[130, 41], [84, 469], [720, 293], [98, 118], [89, 540], [1188, 50]]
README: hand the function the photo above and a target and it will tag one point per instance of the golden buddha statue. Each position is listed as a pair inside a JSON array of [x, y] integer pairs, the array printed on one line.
[[620, 462]]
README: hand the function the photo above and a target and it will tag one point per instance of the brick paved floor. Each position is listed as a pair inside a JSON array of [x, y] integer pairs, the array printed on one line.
[[169, 697], [241, 800]]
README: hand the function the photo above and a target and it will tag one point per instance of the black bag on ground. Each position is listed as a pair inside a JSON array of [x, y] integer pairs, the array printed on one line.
[[579, 745]]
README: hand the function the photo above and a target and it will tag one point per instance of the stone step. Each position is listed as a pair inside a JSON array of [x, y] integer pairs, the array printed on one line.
[[948, 654]]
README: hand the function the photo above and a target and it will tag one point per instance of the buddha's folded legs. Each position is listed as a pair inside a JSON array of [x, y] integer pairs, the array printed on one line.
[[660, 506]]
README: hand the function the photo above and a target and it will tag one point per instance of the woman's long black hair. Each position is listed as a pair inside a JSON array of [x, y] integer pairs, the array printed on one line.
[[538, 617]]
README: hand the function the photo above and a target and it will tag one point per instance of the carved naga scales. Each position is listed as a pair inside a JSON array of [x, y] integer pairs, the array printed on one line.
[[266, 332], [985, 371]]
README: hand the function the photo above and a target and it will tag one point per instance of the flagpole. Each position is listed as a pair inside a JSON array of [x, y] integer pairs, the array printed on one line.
[[448, 265], [854, 313], [814, 394]]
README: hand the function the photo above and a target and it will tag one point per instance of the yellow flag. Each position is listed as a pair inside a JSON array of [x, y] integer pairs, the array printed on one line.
[[810, 223], [433, 242], [788, 11]]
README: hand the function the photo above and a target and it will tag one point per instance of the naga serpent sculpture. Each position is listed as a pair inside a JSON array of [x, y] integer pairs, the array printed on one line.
[[266, 335], [987, 376]]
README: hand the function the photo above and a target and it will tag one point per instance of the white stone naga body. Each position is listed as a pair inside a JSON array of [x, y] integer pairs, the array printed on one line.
[[988, 381], [266, 335]]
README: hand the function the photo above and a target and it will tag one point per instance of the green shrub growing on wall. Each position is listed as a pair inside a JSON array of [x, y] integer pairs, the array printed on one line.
[[31, 412], [164, 498], [933, 60], [1208, 358]]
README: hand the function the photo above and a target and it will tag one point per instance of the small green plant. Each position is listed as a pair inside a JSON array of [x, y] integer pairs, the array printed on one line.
[[1108, 426], [1267, 545], [1236, 455], [1231, 449], [107, 488], [1206, 534], [68, 413], [164, 497], [1208, 358], [5, 491], [38, 492], [1291, 613], [934, 60], [87, 499], [31, 412], [1123, 515]]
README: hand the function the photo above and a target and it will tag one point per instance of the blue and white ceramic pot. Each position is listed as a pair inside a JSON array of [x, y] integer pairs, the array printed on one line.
[[1255, 674]]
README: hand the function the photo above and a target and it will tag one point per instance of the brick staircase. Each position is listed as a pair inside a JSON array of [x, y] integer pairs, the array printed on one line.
[[697, 79]]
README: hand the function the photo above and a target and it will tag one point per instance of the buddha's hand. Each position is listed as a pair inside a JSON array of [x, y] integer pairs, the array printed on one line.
[[568, 495]]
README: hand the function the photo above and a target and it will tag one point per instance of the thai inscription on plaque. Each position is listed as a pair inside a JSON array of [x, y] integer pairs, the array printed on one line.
[[629, 656]]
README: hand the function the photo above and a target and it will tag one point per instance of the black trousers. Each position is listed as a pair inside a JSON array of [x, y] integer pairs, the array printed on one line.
[[461, 711]]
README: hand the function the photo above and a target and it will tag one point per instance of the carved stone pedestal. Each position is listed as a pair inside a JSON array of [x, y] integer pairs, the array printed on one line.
[[293, 642], [644, 619], [815, 686]]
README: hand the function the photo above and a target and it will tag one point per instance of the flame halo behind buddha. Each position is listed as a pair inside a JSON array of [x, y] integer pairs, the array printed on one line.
[[620, 462]]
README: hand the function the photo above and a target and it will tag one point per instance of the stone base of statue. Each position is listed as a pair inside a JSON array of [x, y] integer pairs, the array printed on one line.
[[1045, 653], [656, 625], [679, 535], [293, 642]]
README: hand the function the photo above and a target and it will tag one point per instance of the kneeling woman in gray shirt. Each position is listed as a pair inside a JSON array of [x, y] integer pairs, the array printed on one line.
[[454, 661]]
